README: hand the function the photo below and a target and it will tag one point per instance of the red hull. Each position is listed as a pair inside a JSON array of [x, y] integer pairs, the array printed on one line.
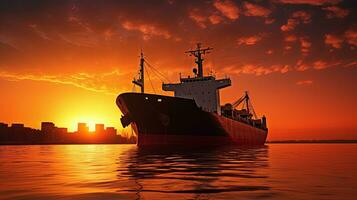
[[238, 133], [242, 133]]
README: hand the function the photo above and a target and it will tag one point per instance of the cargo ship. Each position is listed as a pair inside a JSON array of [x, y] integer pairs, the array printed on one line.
[[193, 116]]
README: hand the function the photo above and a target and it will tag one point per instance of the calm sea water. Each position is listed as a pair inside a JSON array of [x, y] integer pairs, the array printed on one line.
[[276, 171]]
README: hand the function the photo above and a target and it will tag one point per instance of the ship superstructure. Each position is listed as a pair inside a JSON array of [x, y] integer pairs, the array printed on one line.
[[203, 89], [194, 115]]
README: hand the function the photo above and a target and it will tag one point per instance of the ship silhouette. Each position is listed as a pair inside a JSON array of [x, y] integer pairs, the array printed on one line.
[[193, 116]]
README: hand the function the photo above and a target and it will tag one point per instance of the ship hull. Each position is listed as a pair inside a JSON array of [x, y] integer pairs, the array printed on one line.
[[164, 120]]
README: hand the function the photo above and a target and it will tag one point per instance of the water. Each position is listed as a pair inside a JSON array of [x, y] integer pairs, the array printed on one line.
[[276, 171]]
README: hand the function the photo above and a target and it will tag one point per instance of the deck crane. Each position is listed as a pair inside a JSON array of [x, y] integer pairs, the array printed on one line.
[[247, 110]]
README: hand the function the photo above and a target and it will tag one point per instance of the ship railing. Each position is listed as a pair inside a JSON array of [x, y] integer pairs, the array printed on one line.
[[195, 78]]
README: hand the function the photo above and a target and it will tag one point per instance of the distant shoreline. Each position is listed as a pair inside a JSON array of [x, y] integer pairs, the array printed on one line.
[[58, 143], [312, 141], [67, 144], [268, 142]]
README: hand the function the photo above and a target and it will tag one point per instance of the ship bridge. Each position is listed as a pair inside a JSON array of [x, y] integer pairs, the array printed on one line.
[[203, 89]]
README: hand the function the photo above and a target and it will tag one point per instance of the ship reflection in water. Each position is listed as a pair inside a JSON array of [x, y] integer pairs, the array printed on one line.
[[276, 171], [195, 173]]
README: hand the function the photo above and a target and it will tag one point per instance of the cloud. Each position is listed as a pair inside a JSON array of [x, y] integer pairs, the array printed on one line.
[[304, 82], [99, 82], [250, 40], [336, 41], [255, 10], [316, 65], [333, 40], [197, 17], [290, 38], [118, 28], [295, 19], [257, 70], [82, 35], [215, 19], [305, 45], [303, 16], [351, 64], [148, 30], [301, 66], [320, 65], [310, 2], [228, 8], [76, 20], [39, 32], [335, 12], [351, 36], [80, 39], [203, 19], [290, 25]]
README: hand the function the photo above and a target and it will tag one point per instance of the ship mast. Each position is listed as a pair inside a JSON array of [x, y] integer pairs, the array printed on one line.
[[247, 101], [199, 60], [140, 82]]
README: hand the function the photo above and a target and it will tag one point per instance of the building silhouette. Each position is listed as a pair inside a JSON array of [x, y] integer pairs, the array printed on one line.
[[61, 130], [50, 134], [47, 127], [3, 125], [17, 125], [111, 131], [82, 128], [99, 128]]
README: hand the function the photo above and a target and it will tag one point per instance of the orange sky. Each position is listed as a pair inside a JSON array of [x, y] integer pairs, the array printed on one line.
[[67, 62]]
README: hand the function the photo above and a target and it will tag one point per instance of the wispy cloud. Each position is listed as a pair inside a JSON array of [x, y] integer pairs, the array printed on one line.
[[290, 25], [304, 82], [321, 64], [351, 64], [257, 70], [39, 32], [228, 8], [148, 30], [255, 10], [333, 40], [215, 19], [336, 41], [250, 40], [99, 82], [310, 2], [299, 66], [199, 18], [335, 12], [351, 36], [305, 45], [296, 18]]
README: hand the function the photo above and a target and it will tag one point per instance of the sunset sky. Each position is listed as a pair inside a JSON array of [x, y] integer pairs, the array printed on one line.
[[66, 61]]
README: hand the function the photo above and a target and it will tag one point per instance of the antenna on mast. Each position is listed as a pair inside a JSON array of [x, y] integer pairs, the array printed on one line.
[[199, 60], [140, 82]]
